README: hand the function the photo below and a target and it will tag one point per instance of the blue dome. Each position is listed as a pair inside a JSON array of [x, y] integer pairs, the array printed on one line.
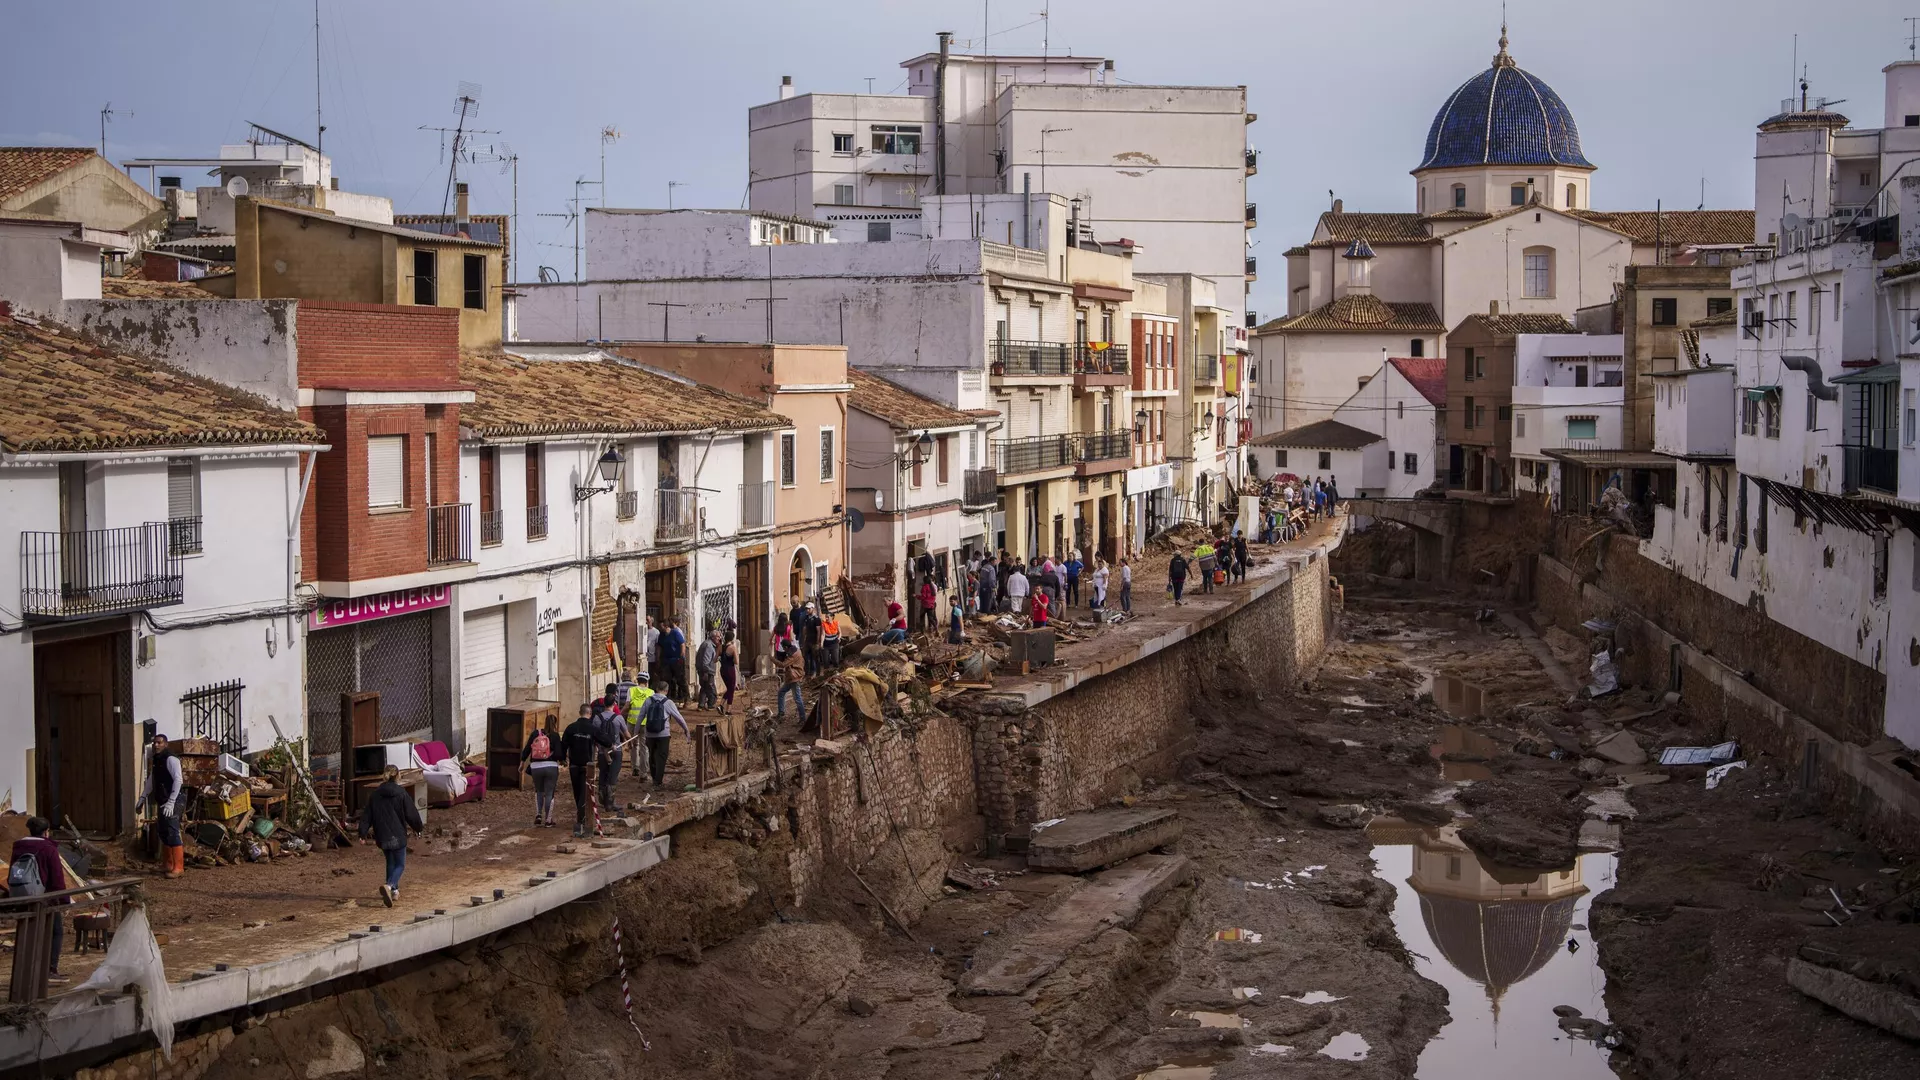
[[1503, 116]]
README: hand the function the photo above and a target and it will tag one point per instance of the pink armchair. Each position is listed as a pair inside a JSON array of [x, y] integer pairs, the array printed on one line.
[[431, 753]]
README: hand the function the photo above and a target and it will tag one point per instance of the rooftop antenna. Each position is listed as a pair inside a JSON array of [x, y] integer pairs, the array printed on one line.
[[1793, 72], [319, 128], [509, 162], [671, 184], [869, 84], [1703, 194], [608, 134], [1046, 37], [467, 107], [1913, 30], [106, 114]]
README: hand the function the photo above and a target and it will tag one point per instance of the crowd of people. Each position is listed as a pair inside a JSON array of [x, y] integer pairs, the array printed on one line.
[[1289, 505]]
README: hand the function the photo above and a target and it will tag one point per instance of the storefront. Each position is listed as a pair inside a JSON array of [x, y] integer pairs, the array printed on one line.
[[393, 644], [1149, 503]]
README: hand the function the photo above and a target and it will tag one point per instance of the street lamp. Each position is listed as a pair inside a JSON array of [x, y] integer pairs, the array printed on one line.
[[1140, 425], [921, 450], [609, 469]]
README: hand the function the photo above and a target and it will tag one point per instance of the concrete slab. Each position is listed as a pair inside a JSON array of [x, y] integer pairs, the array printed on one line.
[[1096, 838], [1112, 898]]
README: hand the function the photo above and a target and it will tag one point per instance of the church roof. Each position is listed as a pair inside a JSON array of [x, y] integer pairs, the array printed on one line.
[[1503, 116], [1360, 314], [1320, 435], [1497, 943], [1677, 228], [1360, 249], [1428, 374], [1343, 229]]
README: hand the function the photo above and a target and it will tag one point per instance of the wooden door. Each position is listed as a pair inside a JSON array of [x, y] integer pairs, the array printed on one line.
[[79, 743], [750, 587]]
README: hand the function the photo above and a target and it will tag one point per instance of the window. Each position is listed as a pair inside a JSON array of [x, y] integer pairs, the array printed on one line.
[[1773, 312], [896, 138], [916, 466], [1410, 464], [1460, 196], [386, 471], [843, 194], [1836, 302], [1760, 522], [1749, 318], [1609, 376], [426, 289], [1666, 311], [1913, 120], [1580, 375], [1793, 309], [1571, 190], [1480, 416], [940, 458], [1389, 461], [1813, 310], [1503, 414], [786, 458], [1326, 459], [1517, 195], [879, 232], [1469, 365], [1720, 519], [473, 293], [1719, 305], [1770, 414], [1417, 347], [1749, 413], [1468, 413], [1813, 412], [973, 449], [183, 505], [1520, 425], [1740, 525], [536, 478], [843, 142], [1279, 459], [1400, 410], [1539, 272], [826, 455], [1908, 418]]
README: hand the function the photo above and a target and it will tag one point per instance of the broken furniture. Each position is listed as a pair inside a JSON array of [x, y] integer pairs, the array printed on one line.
[[440, 786], [508, 729], [1030, 650]]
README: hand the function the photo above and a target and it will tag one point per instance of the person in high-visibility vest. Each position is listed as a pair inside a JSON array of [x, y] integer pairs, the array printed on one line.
[[637, 695]]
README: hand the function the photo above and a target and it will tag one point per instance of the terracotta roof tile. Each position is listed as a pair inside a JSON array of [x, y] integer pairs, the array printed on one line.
[[514, 397], [1428, 374], [1458, 213], [123, 288], [1343, 229], [60, 394], [1320, 435], [1728, 317], [899, 406], [21, 167], [1677, 228], [1366, 314], [1509, 325]]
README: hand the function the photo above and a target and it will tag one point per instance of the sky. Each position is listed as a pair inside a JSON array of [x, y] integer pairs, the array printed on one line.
[[1666, 93]]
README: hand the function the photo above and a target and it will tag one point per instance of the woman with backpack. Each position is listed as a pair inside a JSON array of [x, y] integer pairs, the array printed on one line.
[[539, 761]]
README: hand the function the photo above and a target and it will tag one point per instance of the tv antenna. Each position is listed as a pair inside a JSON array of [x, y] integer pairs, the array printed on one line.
[[671, 184], [1913, 34], [466, 106], [608, 134], [106, 114], [509, 163]]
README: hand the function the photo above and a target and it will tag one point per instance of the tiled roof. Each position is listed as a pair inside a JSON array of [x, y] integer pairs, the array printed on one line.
[[514, 397], [1343, 229], [1503, 116], [899, 406], [1807, 119], [21, 167], [1320, 435], [1366, 314], [1677, 228], [126, 288], [60, 394], [417, 235], [1360, 249], [1297, 249], [1458, 213], [1728, 317], [1428, 374], [1509, 325]]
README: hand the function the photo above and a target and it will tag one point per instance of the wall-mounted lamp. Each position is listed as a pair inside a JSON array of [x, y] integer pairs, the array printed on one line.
[[609, 469]]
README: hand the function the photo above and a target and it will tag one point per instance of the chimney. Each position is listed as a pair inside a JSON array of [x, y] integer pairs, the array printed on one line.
[[1339, 206], [786, 87], [1493, 308], [333, 183], [460, 206], [1106, 73]]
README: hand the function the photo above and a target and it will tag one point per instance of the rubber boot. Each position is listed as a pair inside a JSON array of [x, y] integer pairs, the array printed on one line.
[[176, 861]]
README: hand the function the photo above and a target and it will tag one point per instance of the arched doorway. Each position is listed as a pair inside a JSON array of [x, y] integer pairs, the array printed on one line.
[[799, 576]]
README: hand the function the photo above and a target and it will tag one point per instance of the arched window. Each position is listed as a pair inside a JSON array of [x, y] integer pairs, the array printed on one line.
[[1517, 195], [1538, 262], [1460, 196], [1570, 197]]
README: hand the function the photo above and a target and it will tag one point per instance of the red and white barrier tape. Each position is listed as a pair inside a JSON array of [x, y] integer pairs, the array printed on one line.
[[619, 953]]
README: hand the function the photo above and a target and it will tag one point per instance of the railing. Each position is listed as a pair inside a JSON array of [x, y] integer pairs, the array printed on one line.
[[493, 527], [450, 534], [626, 505], [756, 505], [183, 536], [536, 523], [1875, 468], [982, 487], [213, 712], [1253, 215], [1112, 360], [679, 516], [1206, 369], [1030, 357], [1253, 161], [75, 575], [1103, 445], [1253, 268], [1035, 454]]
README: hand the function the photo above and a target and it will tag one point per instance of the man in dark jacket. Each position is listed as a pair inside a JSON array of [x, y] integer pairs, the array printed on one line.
[[388, 818], [579, 745], [615, 731], [47, 875], [1240, 557], [1177, 576]]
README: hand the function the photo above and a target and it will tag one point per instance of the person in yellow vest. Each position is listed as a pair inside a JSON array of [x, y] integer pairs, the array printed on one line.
[[637, 695]]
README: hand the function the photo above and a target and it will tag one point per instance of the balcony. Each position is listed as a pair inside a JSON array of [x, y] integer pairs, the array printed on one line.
[[493, 527], [1039, 453], [1253, 268], [678, 519], [626, 505], [1206, 370], [1097, 452], [1253, 161], [1100, 367], [536, 523], [756, 505], [94, 572], [1253, 215], [1029, 359], [1872, 468], [183, 536], [982, 488], [450, 534]]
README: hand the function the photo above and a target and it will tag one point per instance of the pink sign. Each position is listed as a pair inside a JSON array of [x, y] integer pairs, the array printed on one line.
[[340, 612]]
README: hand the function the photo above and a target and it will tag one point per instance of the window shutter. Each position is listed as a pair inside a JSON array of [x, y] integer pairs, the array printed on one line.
[[786, 459], [183, 489], [826, 454], [387, 470]]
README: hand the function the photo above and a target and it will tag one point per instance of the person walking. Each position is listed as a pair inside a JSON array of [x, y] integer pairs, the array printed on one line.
[[929, 606], [673, 660], [1177, 577], [1126, 586], [793, 672], [706, 662], [1101, 575], [830, 641], [1205, 560], [389, 817], [1073, 568], [639, 689], [956, 620], [163, 799], [810, 637], [729, 671], [615, 733], [1003, 596], [989, 587], [579, 745], [653, 722], [34, 869], [1240, 558], [540, 760], [1017, 588]]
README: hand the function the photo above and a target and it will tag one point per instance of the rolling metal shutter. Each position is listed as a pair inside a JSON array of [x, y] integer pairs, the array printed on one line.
[[483, 662]]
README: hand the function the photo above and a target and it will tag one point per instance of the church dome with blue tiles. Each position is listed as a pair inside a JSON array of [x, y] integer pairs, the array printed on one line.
[[1503, 116]]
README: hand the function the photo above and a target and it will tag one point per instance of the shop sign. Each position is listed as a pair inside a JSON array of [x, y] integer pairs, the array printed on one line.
[[339, 611], [1150, 478]]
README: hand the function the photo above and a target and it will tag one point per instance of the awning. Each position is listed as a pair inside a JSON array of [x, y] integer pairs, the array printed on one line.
[[1611, 459], [1758, 392], [1879, 373]]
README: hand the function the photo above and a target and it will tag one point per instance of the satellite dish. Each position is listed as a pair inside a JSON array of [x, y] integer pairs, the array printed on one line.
[[237, 187], [855, 520], [1792, 221]]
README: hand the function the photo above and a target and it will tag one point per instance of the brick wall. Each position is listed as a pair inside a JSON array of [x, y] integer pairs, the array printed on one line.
[[376, 346], [341, 538]]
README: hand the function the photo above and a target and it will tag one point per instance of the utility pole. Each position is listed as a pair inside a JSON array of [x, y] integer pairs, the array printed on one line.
[[319, 128], [666, 317]]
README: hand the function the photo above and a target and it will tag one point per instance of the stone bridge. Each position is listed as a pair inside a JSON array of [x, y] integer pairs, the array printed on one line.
[[1435, 522]]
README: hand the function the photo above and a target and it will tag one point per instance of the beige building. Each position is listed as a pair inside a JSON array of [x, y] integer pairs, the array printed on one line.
[[73, 183]]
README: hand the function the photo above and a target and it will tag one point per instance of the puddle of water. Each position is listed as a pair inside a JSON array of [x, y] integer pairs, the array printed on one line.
[[1245, 993], [1192, 1067], [1459, 742], [1272, 1048], [1212, 1019], [1496, 938], [1346, 1046], [1236, 933], [1313, 997], [1456, 696]]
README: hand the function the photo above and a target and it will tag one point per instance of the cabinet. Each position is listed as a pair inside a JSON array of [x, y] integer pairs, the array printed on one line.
[[508, 729]]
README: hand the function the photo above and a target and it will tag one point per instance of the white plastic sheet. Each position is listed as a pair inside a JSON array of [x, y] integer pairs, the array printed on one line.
[[132, 960], [1605, 678]]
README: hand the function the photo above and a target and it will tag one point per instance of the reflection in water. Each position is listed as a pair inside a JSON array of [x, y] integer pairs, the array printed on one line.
[[1346, 1046], [1496, 937], [1457, 696], [1193, 1067], [1458, 742], [1212, 1019]]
